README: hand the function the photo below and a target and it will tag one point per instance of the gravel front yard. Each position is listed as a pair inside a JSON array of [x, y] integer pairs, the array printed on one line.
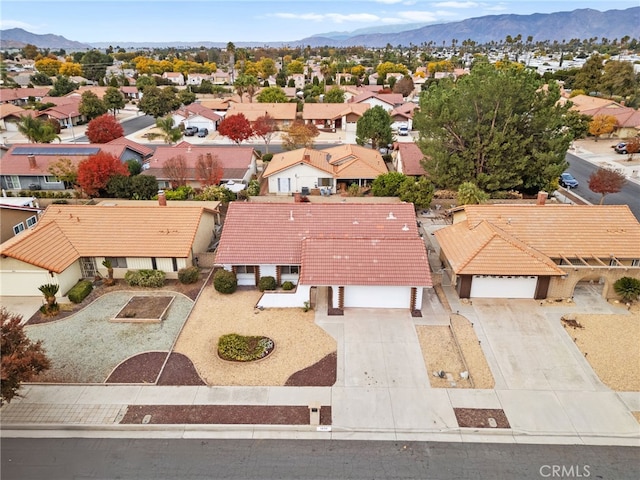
[[299, 342], [86, 347]]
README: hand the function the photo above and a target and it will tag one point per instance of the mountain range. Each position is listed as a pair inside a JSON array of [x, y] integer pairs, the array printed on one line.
[[581, 24]]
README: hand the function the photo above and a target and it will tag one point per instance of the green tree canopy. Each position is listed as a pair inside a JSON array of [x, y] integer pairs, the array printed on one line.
[[388, 184], [91, 106], [170, 133], [589, 76], [158, 102], [37, 130], [272, 95], [62, 86], [374, 125], [497, 128], [113, 99], [94, 65], [334, 95], [618, 79]]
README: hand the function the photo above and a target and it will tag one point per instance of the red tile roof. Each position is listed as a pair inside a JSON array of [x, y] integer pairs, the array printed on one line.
[[411, 156], [274, 234]]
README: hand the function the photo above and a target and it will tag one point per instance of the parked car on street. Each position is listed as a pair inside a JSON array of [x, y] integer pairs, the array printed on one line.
[[190, 131], [568, 181], [621, 148], [203, 132]]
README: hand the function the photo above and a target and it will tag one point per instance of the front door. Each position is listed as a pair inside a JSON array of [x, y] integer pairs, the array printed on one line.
[[88, 267]]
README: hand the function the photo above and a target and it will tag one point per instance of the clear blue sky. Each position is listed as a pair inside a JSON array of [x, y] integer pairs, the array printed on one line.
[[251, 20]]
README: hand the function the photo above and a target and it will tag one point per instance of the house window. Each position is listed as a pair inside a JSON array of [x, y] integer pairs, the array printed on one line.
[[635, 262], [289, 270], [245, 269], [13, 182], [117, 262], [324, 182], [612, 262], [18, 228], [174, 263], [154, 263], [51, 179], [31, 221]]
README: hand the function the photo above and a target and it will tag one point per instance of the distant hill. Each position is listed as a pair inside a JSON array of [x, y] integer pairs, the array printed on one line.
[[18, 38], [583, 23]]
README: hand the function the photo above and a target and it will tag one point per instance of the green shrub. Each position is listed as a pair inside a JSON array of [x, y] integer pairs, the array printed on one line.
[[225, 281], [267, 283], [188, 275], [628, 288], [80, 291], [145, 278], [288, 285], [242, 348], [267, 157]]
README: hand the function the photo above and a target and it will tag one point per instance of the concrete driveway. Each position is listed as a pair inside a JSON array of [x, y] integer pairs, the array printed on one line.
[[24, 306], [528, 348]]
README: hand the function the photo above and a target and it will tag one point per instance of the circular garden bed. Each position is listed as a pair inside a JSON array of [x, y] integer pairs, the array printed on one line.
[[240, 348]]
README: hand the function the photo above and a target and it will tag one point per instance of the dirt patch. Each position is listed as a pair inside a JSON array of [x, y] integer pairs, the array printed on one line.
[[474, 358], [610, 345], [481, 418], [143, 368], [636, 415], [320, 374], [179, 370], [142, 307], [223, 414]]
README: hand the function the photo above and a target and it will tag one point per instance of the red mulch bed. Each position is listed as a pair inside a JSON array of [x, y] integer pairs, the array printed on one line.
[[479, 417], [224, 414], [320, 374], [145, 368]]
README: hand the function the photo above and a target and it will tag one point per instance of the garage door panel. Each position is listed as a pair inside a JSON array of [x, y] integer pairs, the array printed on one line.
[[377, 297], [20, 284], [487, 286]]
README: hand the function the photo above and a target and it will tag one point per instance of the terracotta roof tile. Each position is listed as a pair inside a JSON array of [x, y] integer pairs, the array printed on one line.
[[411, 156], [253, 110]]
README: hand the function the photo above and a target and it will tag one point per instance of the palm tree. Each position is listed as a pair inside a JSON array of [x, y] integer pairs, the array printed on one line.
[[628, 288], [49, 291], [36, 130], [170, 133], [107, 264]]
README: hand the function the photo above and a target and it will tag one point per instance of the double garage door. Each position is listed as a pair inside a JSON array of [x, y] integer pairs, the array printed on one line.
[[376, 297], [23, 284], [488, 286]]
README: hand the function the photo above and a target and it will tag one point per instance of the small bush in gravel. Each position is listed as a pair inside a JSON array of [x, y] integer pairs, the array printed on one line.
[[628, 288], [242, 348], [288, 285], [188, 275], [145, 278], [267, 283], [225, 281], [80, 291]]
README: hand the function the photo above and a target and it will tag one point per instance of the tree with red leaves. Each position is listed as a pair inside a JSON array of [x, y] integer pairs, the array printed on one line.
[[103, 129], [22, 360], [95, 171], [208, 170], [265, 128], [605, 181], [236, 127], [175, 170]]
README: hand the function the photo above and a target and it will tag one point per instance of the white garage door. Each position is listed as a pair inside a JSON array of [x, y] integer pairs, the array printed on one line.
[[377, 297], [22, 284], [487, 286]]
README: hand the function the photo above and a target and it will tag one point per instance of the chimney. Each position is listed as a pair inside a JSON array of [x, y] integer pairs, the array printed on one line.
[[162, 198], [32, 162], [542, 198], [307, 157]]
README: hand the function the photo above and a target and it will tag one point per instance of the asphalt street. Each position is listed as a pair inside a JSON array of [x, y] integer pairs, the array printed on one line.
[[52, 459]]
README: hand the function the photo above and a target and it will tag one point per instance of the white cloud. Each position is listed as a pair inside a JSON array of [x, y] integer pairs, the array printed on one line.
[[457, 4], [333, 17], [6, 24], [417, 16]]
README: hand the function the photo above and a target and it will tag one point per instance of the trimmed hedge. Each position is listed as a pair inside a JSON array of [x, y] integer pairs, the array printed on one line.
[[188, 275], [225, 281], [267, 283], [288, 285], [80, 291], [145, 278]]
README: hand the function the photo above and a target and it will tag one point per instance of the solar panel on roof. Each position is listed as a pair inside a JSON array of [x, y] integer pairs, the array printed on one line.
[[50, 150]]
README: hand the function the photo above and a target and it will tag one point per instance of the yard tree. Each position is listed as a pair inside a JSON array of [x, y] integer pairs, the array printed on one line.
[[374, 126], [388, 184], [40, 79], [62, 86], [602, 125], [265, 128], [175, 170], [48, 66], [208, 170], [470, 194], [186, 97], [37, 130], [134, 166], [404, 86], [91, 106], [158, 102], [618, 79], [273, 94], [104, 129], [113, 99], [299, 135], [95, 171], [65, 171], [22, 359], [605, 181], [170, 133], [266, 67], [589, 76], [633, 146], [628, 288], [94, 65], [71, 69], [143, 187], [295, 67], [334, 95], [497, 128], [236, 128], [419, 192], [246, 84]]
